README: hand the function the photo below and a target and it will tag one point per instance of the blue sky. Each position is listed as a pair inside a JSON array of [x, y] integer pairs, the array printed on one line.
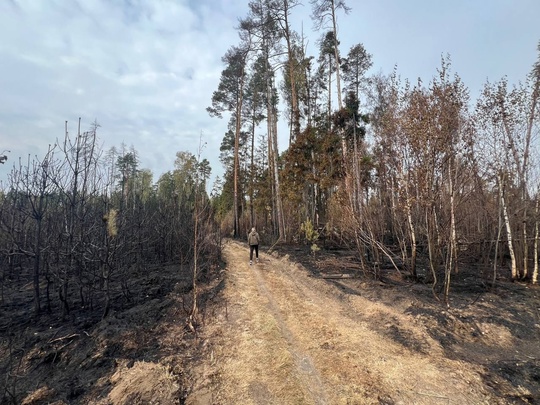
[[146, 69]]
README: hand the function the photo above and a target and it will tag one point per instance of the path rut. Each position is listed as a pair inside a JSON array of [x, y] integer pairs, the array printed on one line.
[[279, 336]]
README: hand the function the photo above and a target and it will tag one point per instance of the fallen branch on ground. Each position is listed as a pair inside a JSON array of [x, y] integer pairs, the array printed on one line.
[[74, 335], [338, 276]]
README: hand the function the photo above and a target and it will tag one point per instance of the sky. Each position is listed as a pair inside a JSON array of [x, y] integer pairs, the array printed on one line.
[[145, 70]]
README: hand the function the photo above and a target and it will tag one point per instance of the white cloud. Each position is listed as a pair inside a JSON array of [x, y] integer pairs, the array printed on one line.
[[146, 69]]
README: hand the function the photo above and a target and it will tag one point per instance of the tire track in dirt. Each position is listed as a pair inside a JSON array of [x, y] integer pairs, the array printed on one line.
[[282, 337], [304, 364]]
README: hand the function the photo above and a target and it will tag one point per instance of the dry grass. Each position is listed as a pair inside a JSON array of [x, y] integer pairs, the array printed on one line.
[[291, 339], [257, 364], [142, 384]]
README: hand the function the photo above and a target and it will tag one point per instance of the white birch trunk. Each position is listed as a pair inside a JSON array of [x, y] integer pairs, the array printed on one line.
[[508, 228], [452, 255], [412, 230], [536, 236]]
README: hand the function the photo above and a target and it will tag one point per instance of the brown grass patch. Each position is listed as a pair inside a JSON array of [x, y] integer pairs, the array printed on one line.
[[142, 384]]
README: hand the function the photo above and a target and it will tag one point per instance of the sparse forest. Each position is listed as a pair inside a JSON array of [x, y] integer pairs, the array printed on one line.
[[85, 233], [416, 176], [77, 223], [418, 180]]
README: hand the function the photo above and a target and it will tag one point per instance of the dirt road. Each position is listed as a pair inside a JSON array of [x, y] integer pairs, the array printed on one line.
[[279, 336]]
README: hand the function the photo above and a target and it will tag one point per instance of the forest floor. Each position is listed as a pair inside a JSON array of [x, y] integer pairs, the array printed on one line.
[[284, 331], [287, 333]]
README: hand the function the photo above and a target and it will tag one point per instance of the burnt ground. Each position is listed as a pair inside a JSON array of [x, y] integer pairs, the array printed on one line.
[[143, 352], [139, 352], [497, 328]]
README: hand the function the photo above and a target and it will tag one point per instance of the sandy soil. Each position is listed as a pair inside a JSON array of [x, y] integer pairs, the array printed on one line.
[[281, 336]]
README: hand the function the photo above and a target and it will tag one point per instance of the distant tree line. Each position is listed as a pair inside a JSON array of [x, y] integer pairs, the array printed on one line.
[[77, 222], [442, 180]]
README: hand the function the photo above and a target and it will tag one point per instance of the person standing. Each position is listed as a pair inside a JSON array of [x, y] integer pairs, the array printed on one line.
[[253, 241]]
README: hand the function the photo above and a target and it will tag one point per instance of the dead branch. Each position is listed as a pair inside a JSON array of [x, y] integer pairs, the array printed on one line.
[[74, 335], [338, 276]]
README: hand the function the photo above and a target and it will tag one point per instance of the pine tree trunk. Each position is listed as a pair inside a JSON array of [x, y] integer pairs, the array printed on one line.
[[336, 56], [292, 77], [273, 152], [252, 172], [236, 155], [279, 205]]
